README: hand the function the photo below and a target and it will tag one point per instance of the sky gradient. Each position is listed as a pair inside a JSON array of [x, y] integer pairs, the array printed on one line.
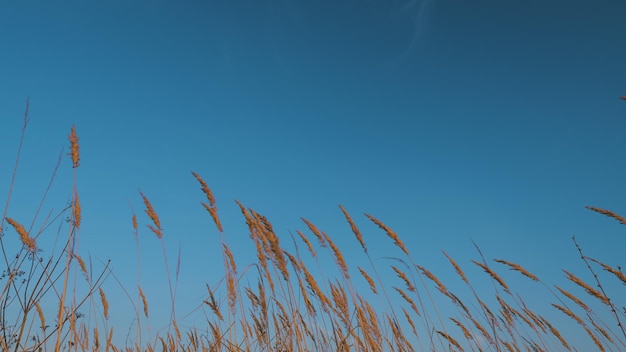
[[450, 121]]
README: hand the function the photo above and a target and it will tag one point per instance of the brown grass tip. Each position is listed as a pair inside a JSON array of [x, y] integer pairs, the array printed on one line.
[[390, 233], [153, 216], [617, 272], [368, 279], [74, 147], [404, 278], [355, 229], [608, 213], [105, 304], [493, 275], [144, 301], [519, 268], [457, 268], [28, 241], [205, 189], [590, 290], [76, 211]]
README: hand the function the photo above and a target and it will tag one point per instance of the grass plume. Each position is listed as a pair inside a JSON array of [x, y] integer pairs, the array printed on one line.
[[284, 299]]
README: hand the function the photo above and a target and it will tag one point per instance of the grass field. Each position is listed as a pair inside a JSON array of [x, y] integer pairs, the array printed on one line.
[[283, 301]]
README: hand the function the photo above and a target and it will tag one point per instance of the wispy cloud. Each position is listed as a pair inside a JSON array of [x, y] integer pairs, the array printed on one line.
[[418, 12]]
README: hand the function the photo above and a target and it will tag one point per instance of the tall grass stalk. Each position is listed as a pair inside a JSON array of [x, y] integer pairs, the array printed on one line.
[[287, 299]]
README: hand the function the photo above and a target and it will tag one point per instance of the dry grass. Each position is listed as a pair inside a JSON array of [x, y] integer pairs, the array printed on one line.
[[281, 302]]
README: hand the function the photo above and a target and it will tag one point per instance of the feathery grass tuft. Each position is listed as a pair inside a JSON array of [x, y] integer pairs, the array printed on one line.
[[284, 299]]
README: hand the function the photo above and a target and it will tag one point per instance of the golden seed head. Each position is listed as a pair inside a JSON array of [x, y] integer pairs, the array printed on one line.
[[457, 268], [482, 330], [408, 299], [144, 301], [410, 321], [307, 242], [590, 290], [213, 304], [205, 189], [493, 275], [608, 213], [573, 298], [556, 333], [105, 304], [519, 268], [153, 216], [450, 339], [135, 226], [368, 279], [315, 231], [404, 278], [569, 313], [440, 286], [42, 318], [231, 275], [28, 241], [355, 229], [390, 233], [81, 263], [466, 332], [110, 338], [76, 211], [96, 338], [341, 262], [178, 335], [594, 339], [617, 272], [216, 219], [74, 148], [229, 255]]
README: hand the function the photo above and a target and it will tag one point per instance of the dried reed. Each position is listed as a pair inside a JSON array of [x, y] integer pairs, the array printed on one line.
[[616, 272], [153, 216], [457, 268], [105, 304], [76, 211], [440, 286], [573, 298], [519, 268], [590, 290], [450, 339], [307, 242], [556, 333], [404, 278], [369, 280], [608, 213], [316, 232], [74, 147], [493, 275], [27, 241], [341, 262], [144, 301], [354, 228], [290, 317], [408, 299], [390, 233]]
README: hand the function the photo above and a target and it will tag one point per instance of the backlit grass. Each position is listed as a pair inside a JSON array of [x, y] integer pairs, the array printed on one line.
[[282, 301]]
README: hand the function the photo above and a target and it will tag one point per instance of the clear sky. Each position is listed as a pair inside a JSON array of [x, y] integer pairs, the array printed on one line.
[[451, 121]]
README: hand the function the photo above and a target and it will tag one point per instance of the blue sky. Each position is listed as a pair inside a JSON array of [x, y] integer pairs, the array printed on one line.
[[450, 121]]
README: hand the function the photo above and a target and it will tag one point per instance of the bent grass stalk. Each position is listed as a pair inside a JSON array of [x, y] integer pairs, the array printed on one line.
[[285, 304]]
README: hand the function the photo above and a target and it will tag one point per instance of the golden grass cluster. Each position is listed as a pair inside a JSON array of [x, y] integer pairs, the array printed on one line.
[[280, 302], [28, 241]]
